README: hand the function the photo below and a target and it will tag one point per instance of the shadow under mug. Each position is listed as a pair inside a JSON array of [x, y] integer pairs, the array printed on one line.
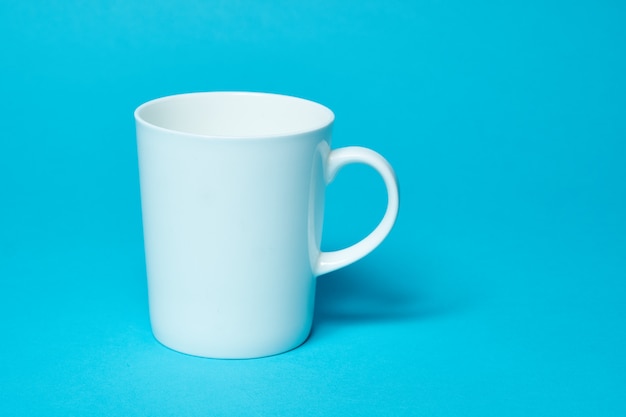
[[232, 193]]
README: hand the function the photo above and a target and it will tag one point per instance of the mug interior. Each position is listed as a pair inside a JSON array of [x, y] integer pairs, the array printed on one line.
[[234, 114]]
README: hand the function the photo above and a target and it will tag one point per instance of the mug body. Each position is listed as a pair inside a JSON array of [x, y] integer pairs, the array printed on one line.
[[232, 189]]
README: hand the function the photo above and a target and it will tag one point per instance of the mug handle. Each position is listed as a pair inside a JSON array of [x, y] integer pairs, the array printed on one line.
[[331, 261]]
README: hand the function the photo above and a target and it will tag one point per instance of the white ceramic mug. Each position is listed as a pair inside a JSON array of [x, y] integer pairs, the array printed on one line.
[[232, 192]]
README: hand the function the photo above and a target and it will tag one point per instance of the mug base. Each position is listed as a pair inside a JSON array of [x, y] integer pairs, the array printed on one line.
[[233, 353]]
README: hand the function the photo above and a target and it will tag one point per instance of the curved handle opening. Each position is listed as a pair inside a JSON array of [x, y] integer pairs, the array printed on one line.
[[331, 261]]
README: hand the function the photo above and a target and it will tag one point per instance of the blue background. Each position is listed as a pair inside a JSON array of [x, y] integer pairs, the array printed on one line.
[[500, 292]]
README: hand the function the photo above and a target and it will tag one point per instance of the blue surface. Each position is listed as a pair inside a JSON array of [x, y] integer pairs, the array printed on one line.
[[501, 291]]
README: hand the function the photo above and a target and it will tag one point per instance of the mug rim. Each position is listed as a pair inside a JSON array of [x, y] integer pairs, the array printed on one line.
[[328, 119]]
